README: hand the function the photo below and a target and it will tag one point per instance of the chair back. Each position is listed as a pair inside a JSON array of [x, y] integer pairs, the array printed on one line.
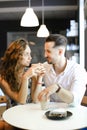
[[84, 101], [3, 104]]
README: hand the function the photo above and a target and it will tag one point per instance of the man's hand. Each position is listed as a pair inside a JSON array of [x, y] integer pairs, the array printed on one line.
[[47, 91]]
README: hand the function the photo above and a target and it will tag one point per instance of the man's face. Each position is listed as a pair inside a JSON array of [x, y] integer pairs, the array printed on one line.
[[51, 54]]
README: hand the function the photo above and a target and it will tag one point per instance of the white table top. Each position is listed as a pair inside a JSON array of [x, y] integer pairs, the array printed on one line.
[[31, 117]]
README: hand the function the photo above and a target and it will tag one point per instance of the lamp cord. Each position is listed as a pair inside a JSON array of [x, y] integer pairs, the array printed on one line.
[[29, 4], [42, 11]]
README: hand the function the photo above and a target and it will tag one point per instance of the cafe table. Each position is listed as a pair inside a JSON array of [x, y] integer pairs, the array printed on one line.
[[31, 117]]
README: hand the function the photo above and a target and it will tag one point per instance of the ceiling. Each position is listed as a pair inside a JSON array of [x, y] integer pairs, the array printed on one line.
[[57, 9]]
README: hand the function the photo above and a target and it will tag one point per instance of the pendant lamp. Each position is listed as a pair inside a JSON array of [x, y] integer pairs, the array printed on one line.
[[43, 31], [29, 18]]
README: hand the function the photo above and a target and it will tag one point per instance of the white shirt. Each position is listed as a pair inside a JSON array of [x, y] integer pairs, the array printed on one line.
[[73, 78]]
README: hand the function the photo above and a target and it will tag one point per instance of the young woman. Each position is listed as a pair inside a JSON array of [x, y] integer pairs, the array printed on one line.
[[14, 77]]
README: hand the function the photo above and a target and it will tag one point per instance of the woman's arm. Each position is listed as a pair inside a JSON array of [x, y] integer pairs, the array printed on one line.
[[36, 88], [37, 82], [33, 87], [19, 96]]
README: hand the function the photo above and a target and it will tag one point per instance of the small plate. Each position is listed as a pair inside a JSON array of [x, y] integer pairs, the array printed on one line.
[[57, 117]]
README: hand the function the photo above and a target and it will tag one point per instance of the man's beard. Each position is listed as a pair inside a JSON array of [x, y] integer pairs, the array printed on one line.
[[49, 62]]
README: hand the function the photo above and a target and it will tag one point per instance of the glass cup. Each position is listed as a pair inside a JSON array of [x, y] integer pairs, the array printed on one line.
[[44, 103]]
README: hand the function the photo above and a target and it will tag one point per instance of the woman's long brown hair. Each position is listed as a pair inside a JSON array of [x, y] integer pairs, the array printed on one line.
[[10, 60]]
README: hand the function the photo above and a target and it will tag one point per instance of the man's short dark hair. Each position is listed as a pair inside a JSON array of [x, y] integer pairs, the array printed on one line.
[[58, 39]]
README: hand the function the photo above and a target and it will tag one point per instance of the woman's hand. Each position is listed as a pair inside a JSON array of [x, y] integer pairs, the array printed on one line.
[[40, 70], [35, 70]]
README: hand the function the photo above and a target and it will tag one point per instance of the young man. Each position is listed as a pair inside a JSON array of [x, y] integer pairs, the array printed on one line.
[[65, 80]]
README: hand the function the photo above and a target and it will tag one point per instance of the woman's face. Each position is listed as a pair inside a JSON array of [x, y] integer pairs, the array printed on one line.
[[26, 57]]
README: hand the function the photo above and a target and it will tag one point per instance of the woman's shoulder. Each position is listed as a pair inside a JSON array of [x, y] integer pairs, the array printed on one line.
[[3, 82], [0, 78]]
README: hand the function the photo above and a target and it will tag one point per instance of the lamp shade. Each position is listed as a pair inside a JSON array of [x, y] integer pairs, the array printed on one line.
[[29, 19], [43, 31]]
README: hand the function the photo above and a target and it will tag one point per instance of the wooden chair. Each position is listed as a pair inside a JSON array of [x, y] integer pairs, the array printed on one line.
[[3, 99], [3, 104], [84, 101]]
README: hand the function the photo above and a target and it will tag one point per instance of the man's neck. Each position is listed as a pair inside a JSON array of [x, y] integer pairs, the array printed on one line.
[[59, 68]]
